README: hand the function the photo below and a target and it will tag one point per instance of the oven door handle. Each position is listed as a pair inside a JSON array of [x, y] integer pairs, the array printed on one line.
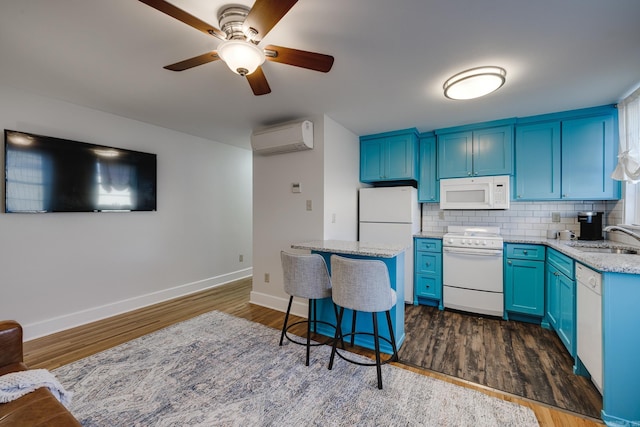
[[476, 252]]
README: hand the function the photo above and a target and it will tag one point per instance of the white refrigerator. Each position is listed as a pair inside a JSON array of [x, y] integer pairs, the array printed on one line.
[[391, 215]]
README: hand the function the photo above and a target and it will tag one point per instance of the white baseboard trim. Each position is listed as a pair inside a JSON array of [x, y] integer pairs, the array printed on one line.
[[299, 306], [60, 323]]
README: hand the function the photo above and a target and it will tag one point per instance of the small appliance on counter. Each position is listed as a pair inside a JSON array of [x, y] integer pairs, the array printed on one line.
[[590, 225]]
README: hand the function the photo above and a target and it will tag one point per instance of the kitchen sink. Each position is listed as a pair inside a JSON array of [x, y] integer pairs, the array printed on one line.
[[607, 250]]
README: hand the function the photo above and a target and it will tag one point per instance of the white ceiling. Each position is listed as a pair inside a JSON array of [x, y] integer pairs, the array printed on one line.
[[391, 59]]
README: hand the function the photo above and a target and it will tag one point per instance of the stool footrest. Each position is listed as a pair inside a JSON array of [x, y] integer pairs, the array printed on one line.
[[313, 344], [391, 358]]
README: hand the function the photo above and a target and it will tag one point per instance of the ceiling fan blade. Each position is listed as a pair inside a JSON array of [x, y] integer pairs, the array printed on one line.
[[181, 15], [264, 15], [258, 82], [299, 58], [205, 58]]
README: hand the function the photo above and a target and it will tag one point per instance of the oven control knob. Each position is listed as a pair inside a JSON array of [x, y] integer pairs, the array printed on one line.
[[477, 242], [484, 243], [450, 241]]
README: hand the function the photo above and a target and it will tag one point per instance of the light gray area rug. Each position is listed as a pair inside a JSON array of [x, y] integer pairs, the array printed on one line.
[[220, 370]]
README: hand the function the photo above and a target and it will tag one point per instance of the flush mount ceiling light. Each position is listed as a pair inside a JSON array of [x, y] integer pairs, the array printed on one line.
[[474, 83], [240, 56]]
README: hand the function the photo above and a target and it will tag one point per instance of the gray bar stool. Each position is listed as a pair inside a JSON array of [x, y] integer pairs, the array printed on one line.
[[363, 285], [305, 276]]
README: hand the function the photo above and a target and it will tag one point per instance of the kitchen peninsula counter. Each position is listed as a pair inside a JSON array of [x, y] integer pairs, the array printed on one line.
[[393, 257], [376, 250]]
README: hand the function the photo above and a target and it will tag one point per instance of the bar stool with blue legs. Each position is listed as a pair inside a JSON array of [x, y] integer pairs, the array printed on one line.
[[305, 276], [363, 285]]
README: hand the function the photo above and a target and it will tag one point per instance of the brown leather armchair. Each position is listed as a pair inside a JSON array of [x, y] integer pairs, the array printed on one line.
[[39, 408]]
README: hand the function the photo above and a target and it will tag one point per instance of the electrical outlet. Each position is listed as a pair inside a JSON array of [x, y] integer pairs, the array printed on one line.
[[441, 214], [308, 205], [555, 216], [267, 277], [333, 218], [241, 258]]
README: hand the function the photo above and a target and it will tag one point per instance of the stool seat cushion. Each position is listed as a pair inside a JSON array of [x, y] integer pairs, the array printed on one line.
[[361, 284], [305, 275]]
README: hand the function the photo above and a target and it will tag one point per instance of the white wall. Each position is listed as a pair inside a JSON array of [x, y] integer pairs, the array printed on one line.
[[341, 181], [60, 270], [328, 175]]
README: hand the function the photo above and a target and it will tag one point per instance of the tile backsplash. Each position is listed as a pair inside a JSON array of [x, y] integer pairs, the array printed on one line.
[[531, 219]]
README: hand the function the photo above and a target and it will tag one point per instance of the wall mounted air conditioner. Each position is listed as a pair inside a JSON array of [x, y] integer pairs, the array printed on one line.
[[284, 138]]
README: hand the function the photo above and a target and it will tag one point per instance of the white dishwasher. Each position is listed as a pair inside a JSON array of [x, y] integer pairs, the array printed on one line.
[[589, 315]]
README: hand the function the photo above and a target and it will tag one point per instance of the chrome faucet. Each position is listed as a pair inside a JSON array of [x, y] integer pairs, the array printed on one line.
[[624, 230]]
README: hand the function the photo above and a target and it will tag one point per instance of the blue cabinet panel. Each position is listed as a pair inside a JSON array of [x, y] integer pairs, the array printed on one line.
[[567, 323], [479, 152], [401, 157], [427, 286], [524, 281], [391, 156], [371, 160], [561, 298], [455, 155], [428, 187], [428, 272], [493, 151], [552, 296], [524, 291], [589, 156], [537, 162]]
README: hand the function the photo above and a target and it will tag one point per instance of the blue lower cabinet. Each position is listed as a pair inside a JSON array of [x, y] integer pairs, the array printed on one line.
[[524, 282], [561, 298], [428, 272]]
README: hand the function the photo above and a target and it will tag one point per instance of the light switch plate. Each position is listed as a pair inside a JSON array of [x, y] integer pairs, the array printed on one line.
[[555, 216], [296, 187]]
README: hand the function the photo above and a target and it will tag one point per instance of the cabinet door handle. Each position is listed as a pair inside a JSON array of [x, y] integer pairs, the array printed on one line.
[[525, 252], [509, 262], [427, 264]]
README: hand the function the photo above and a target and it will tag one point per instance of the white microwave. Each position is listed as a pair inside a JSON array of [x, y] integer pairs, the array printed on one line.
[[484, 192]]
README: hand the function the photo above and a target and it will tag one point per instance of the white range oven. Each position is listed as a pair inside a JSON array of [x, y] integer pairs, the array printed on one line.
[[472, 264]]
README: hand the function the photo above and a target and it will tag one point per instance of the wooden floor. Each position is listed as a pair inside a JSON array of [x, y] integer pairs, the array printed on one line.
[[516, 357], [65, 347]]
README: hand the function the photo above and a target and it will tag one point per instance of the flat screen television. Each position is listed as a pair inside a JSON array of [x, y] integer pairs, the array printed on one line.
[[46, 174]]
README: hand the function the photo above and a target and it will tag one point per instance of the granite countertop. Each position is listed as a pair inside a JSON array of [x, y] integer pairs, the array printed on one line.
[[609, 263], [379, 250]]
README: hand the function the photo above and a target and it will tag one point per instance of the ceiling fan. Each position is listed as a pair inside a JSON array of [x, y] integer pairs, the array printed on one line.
[[242, 28]]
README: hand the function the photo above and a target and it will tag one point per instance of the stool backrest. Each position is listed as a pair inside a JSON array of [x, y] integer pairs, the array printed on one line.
[[361, 284], [305, 275]]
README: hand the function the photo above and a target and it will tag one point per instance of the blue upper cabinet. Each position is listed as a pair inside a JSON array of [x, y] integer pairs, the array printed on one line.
[[478, 152], [589, 156], [493, 151], [537, 162], [455, 155], [567, 156], [428, 188], [391, 156]]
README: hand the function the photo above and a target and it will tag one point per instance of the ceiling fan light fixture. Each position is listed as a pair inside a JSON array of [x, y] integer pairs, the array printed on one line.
[[475, 82], [240, 56]]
